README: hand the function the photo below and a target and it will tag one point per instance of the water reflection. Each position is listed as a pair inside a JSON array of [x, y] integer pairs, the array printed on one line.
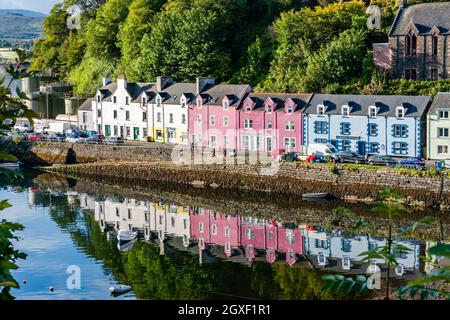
[[189, 252], [240, 239]]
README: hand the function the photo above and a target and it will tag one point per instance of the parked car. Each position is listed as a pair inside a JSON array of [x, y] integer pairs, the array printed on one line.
[[22, 127], [290, 156], [416, 163], [349, 156], [91, 133], [95, 139], [114, 140], [382, 161], [56, 137], [35, 137]]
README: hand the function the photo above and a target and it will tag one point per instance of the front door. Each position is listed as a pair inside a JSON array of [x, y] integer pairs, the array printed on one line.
[[362, 148], [171, 137], [269, 146], [107, 130], [135, 133]]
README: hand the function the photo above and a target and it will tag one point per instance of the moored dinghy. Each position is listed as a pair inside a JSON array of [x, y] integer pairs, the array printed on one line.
[[315, 195], [126, 235], [119, 289]]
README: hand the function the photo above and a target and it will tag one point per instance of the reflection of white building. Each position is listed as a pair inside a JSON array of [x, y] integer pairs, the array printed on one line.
[[170, 219], [348, 249], [123, 215], [145, 216]]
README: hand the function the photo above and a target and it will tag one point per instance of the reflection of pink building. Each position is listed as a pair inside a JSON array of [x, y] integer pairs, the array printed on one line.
[[216, 228], [249, 233], [213, 117], [272, 122]]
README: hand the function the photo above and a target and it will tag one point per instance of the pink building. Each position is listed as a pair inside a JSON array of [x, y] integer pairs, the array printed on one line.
[[213, 118], [272, 122]]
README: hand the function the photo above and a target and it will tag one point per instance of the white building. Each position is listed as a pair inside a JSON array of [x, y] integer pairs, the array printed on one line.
[[145, 111], [438, 127]]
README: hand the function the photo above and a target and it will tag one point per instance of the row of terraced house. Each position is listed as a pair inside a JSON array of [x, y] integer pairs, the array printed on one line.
[[232, 116]]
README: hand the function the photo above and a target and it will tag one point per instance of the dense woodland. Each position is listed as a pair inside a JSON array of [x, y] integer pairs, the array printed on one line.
[[274, 45]]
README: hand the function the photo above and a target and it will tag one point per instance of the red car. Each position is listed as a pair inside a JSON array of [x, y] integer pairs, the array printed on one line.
[[35, 137]]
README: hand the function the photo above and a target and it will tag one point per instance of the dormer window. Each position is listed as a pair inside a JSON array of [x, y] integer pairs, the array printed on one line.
[[158, 100], [443, 114], [320, 109], [345, 110], [183, 103], [289, 109], [269, 109], [144, 101], [99, 98], [115, 99], [225, 105], [248, 108], [127, 100], [400, 112], [372, 111], [199, 103]]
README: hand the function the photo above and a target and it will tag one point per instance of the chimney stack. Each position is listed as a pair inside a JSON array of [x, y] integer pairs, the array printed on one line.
[[106, 81], [162, 82], [202, 83], [121, 82]]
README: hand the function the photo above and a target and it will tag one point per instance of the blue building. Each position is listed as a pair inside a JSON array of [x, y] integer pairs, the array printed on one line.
[[368, 124]]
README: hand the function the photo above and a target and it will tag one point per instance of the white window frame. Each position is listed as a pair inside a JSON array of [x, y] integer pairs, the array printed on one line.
[[443, 132], [320, 109], [225, 121], [225, 105], [374, 109], [212, 120], [400, 112], [345, 110]]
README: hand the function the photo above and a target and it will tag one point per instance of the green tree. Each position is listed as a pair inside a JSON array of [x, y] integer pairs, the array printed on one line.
[[337, 62], [101, 33], [137, 24], [47, 50]]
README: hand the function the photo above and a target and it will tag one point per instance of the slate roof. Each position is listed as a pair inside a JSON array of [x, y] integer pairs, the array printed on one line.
[[86, 105], [441, 101], [171, 93], [424, 16], [215, 94], [415, 106], [301, 99]]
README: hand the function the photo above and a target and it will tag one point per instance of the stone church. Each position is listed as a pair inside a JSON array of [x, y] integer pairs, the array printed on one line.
[[419, 42]]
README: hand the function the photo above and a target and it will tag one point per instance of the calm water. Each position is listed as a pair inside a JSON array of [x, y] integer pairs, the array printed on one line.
[[183, 252]]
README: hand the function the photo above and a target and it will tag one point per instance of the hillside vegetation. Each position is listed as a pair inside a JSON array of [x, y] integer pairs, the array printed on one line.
[[274, 45], [20, 24]]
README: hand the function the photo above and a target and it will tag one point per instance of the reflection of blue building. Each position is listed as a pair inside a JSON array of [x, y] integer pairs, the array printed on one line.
[[367, 124], [335, 246]]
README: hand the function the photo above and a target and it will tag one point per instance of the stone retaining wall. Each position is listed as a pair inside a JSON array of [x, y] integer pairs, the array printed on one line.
[[344, 182]]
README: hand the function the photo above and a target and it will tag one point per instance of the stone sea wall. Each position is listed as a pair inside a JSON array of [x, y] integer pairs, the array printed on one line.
[[342, 182], [152, 162]]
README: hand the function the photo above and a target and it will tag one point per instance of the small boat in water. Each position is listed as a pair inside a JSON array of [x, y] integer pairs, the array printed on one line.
[[126, 235], [12, 165], [119, 289], [316, 195]]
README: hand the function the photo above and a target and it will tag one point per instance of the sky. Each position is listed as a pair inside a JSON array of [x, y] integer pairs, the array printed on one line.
[[43, 6]]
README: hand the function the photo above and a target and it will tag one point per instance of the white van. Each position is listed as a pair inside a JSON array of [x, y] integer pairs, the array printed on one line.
[[323, 149]]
